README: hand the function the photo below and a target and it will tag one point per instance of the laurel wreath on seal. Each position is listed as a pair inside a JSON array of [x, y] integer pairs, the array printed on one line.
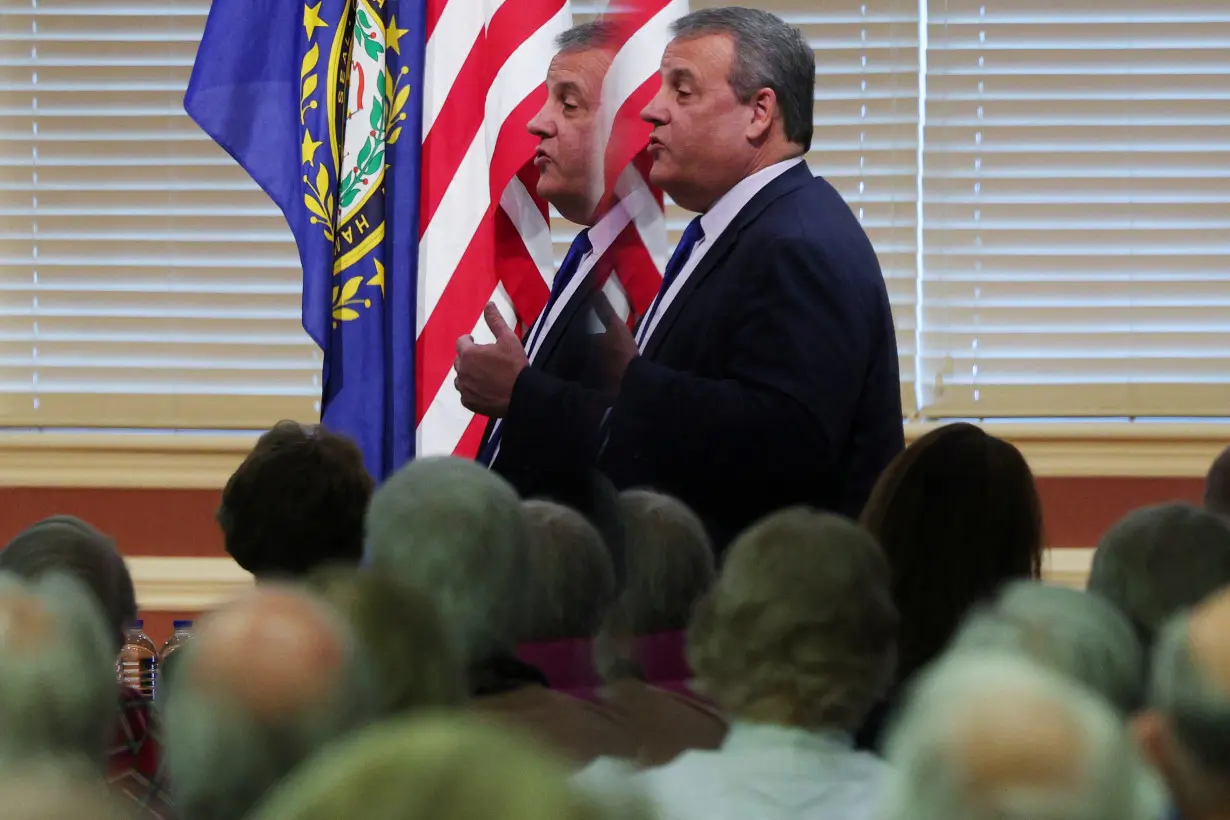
[[387, 114]]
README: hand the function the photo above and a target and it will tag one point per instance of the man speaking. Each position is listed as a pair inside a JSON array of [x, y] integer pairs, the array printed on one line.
[[765, 373], [543, 395]]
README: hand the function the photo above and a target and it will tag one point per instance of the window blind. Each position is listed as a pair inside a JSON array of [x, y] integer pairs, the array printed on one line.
[[1076, 209], [145, 281], [866, 136]]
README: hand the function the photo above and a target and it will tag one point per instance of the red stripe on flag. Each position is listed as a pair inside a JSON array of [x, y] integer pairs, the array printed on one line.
[[629, 133], [518, 271], [467, 447], [463, 113]]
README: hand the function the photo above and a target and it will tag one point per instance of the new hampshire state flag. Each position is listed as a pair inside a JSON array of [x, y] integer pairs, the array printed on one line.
[[321, 103]]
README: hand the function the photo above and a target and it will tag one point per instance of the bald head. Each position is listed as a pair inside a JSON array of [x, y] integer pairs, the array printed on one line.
[[302, 648], [267, 681], [1185, 732], [991, 736]]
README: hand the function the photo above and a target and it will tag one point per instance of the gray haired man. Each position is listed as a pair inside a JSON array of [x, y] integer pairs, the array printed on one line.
[[993, 737], [1185, 733]]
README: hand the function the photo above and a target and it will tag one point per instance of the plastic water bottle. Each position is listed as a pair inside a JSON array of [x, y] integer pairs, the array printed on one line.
[[181, 636], [137, 665]]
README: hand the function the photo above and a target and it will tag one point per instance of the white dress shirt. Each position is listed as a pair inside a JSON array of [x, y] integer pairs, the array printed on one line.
[[762, 772], [713, 222]]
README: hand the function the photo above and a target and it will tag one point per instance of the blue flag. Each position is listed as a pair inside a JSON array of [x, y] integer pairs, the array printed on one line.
[[321, 103]]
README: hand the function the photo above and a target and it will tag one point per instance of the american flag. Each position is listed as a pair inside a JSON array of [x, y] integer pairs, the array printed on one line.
[[485, 235]]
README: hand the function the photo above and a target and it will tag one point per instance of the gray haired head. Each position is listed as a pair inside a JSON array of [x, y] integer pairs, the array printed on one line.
[[585, 36], [571, 575], [57, 672], [455, 531], [1074, 633], [69, 545], [988, 736], [1160, 560], [768, 53]]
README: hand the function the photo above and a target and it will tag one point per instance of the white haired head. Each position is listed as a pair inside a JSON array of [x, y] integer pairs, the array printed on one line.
[[993, 737], [456, 531], [1077, 634]]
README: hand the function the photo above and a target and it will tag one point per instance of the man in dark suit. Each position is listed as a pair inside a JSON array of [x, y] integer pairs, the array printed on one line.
[[541, 393], [765, 374]]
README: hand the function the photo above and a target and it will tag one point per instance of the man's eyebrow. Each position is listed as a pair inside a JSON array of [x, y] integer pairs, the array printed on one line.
[[680, 75], [565, 87]]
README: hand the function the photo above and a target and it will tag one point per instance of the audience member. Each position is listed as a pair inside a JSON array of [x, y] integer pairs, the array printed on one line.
[[266, 682], [414, 664], [437, 768], [993, 737], [456, 531], [57, 672], [1217, 485], [794, 643], [1074, 633], [957, 514], [641, 648], [1159, 560], [1185, 733], [296, 503], [68, 545], [572, 584], [50, 789]]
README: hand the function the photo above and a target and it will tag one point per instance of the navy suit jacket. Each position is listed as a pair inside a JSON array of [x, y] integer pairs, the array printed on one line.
[[550, 431], [772, 377]]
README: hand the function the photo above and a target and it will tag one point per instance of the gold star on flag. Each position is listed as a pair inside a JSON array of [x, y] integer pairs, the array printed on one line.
[[378, 279], [309, 147], [392, 34], [311, 19]]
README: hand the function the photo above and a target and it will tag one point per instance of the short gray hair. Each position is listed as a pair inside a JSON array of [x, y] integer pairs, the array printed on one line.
[[221, 758], [455, 530], [69, 545], [584, 36], [670, 564], [1074, 633], [60, 695], [1197, 710], [768, 53], [802, 616], [932, 747], [571, 574], [1159, 560]]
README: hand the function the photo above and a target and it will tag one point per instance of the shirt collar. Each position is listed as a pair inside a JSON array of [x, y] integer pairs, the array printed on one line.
[[745, 735], [724, 211], [604, 232]]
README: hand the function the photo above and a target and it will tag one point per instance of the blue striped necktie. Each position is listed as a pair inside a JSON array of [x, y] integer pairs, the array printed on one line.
[[568, 269], [692, 234]]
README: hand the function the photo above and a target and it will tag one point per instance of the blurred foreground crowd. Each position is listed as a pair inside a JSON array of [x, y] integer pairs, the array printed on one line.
[[440, 648]]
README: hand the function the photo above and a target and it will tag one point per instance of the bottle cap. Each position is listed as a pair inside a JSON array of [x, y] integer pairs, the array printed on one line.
[[181, 624], [137, 624]]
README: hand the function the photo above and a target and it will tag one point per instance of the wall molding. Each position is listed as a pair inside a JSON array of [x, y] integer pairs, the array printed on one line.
[[198, 584], [200, 460], [186, 584]]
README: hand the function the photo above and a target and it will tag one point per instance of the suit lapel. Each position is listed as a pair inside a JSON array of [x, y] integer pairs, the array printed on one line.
[[789, 181], [557, 329]]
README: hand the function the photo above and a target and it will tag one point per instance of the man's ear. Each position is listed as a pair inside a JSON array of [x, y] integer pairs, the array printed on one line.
[[763, 108]]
